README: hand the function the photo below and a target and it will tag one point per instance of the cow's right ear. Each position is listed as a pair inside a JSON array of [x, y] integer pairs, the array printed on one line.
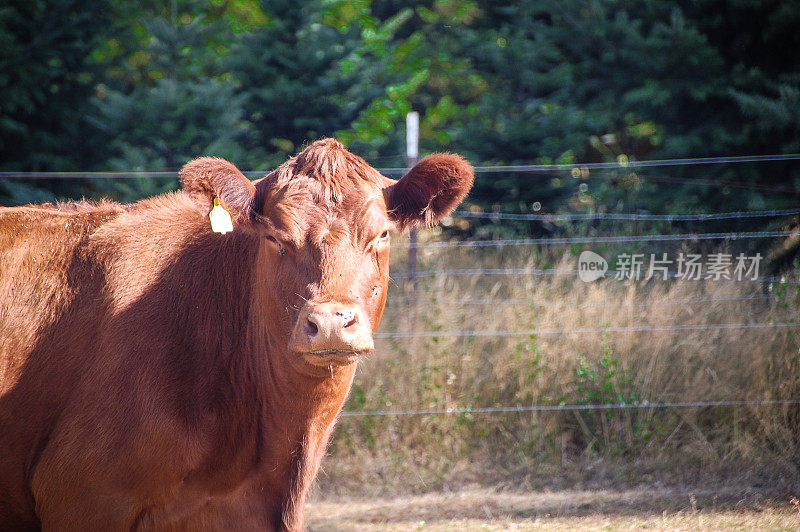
[[209, 178]]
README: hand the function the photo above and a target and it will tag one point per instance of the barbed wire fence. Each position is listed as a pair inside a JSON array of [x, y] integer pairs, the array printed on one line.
[[565, 408], [546, 170], [695, 237]]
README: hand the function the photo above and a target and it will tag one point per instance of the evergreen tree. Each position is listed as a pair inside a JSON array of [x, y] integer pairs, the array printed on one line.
[[290, 78], [47, 75], [591, 80], [412, 55], [182, 106], [758, 40], [502, 82]]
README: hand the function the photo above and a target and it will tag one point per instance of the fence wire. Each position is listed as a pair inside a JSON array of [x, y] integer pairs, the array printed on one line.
[[583, 330], [535, 272], [627, 216], [501, 301], [596, 239], [549, 168], [534, 168], [521, 168], [558, 408]]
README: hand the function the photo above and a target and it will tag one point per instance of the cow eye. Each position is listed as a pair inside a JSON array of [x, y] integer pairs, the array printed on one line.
[[380, 241], [281, 249]]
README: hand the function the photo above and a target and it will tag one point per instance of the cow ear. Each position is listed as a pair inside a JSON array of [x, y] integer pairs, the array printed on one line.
[[209, 178], [430, 190]]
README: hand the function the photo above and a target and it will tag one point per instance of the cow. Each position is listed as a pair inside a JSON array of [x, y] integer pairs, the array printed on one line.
[[158, 375]]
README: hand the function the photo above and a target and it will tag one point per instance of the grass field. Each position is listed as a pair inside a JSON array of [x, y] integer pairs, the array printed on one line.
[[588, 469], [482, 509]]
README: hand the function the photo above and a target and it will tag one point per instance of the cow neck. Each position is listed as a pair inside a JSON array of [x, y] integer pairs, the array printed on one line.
[[207, 303], [304, 424], [300, 401], [304, 398]]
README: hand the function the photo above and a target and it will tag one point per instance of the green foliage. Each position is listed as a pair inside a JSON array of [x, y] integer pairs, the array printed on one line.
[[289, 76], [46, 79], [149, 85], [603, 382], [183, 106], [413, 51]]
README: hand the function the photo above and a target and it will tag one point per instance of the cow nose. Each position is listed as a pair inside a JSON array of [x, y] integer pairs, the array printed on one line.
[[326, 327], [346, 319]]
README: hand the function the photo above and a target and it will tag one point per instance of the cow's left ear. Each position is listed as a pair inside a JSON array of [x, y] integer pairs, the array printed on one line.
[[209, 178], [430, 190]]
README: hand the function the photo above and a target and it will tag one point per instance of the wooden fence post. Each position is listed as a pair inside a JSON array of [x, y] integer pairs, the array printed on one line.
[[412, 156]]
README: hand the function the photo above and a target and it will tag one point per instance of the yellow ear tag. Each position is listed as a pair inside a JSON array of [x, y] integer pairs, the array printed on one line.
[[220, 219]]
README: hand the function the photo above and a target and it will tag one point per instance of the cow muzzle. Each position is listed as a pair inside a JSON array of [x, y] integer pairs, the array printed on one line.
[[331, 334]]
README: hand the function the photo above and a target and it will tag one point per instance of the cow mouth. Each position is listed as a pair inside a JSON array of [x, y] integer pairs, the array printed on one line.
[[334, 357]]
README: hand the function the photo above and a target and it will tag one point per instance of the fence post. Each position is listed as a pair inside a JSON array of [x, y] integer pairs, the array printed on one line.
[[412, 155]]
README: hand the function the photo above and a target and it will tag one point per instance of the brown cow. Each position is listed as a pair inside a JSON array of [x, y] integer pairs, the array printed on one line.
[[157, 375]]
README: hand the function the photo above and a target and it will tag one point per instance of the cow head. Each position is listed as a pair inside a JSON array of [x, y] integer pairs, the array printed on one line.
[[323, 220]]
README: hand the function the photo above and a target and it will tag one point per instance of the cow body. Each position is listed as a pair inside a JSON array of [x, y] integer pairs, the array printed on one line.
[[157, 375]]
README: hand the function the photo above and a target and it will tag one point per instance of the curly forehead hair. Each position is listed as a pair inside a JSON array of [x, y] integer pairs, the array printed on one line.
[[328, 162]]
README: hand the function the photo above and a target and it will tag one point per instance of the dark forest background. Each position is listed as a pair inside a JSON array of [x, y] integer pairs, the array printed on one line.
[[101, 85]]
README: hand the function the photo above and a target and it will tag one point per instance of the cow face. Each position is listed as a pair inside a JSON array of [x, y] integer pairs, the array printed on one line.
[[324, 220]]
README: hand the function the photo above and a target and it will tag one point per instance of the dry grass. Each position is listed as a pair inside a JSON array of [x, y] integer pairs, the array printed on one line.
[[482, 509], [652, 446]]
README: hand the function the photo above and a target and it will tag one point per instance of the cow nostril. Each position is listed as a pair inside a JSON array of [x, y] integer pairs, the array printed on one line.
[[348, 317], [311, 327]]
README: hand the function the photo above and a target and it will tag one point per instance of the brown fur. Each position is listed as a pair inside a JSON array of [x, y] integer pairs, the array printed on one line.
[[430, 190], [145, 379]]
